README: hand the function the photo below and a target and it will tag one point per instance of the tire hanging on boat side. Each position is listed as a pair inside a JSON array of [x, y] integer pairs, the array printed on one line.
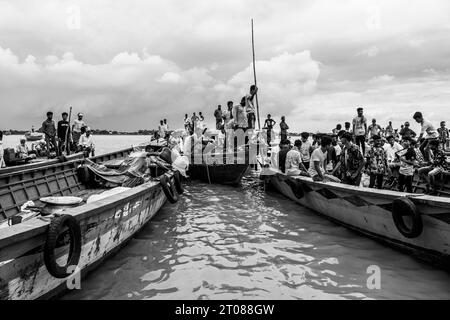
[[178, 185], [402, 207], [54, 231], [168, 189]]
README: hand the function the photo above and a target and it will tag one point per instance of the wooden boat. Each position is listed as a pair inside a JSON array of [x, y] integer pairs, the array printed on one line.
[[32, 249], [223, 168], [227, 174], [34, 136], [415, 223]]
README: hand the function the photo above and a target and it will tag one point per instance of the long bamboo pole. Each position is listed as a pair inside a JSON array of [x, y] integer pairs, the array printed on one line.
[[254, 75], [68, 132]]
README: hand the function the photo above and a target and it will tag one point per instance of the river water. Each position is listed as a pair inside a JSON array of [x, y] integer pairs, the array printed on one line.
[[221, 242]]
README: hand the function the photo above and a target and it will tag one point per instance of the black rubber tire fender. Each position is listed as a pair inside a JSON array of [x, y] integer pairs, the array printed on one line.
[[56, 226], [405, 207], [168, 189], [178, 184]]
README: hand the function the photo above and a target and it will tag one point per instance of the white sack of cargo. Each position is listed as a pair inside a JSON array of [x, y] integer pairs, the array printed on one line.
[[106, 194]]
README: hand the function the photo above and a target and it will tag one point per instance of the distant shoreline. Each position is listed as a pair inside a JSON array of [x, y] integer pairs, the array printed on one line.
[[95, 132]]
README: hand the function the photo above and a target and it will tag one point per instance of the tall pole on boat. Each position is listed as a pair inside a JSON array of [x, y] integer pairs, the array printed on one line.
[[254, 75], [68, 134]]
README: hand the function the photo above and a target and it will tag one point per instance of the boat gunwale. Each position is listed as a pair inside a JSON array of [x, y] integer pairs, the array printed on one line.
[[75, 158], [33, 228], [387, 194]]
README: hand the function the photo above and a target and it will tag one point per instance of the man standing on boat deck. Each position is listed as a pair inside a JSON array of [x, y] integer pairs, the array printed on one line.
[[162, 130], [218, 115], [352, 161], [49, 130], [443, 135], [283, 128], [187, 124], [76, 128], [376, 163], [250, 107], [194, 120], [2, 161], [389, 130], [360, 130], [64, 132], [428, 132], [268, 125], [374, 129], [240, 116], [228, 122]]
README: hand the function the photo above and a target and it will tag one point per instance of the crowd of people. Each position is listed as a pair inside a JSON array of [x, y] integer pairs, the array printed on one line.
[[58, 138], [389, 157]]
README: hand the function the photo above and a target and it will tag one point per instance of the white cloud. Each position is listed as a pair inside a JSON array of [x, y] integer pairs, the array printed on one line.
[[143, 60], [369, 52], [171, 77], [383, 78]]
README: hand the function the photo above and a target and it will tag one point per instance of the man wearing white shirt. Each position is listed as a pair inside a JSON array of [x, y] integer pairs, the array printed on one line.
[[392, 148], [78, 124], [428, 131], [250, 107], [86, 143], [2, 161]]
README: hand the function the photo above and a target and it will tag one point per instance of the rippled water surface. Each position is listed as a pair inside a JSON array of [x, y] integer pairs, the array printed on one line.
[[243, 243]]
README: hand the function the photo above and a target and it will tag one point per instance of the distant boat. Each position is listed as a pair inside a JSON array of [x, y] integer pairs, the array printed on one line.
[[34, 136]]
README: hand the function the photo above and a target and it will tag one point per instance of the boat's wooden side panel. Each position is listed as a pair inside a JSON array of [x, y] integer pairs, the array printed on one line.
[[370, 212], [23, 274]]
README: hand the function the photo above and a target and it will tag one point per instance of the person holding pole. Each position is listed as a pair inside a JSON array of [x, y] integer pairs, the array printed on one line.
[[250, 107], [62, 132]]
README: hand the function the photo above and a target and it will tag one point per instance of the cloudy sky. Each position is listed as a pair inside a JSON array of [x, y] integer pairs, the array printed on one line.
[[127, 64]]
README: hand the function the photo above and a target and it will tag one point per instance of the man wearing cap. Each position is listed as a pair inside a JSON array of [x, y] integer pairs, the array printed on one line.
[[76, 128], [407, 132]]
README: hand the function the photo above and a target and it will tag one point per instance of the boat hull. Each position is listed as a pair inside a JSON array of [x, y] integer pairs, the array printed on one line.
[[369, 212], [34, 137], [106, 225], [227, 174]]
